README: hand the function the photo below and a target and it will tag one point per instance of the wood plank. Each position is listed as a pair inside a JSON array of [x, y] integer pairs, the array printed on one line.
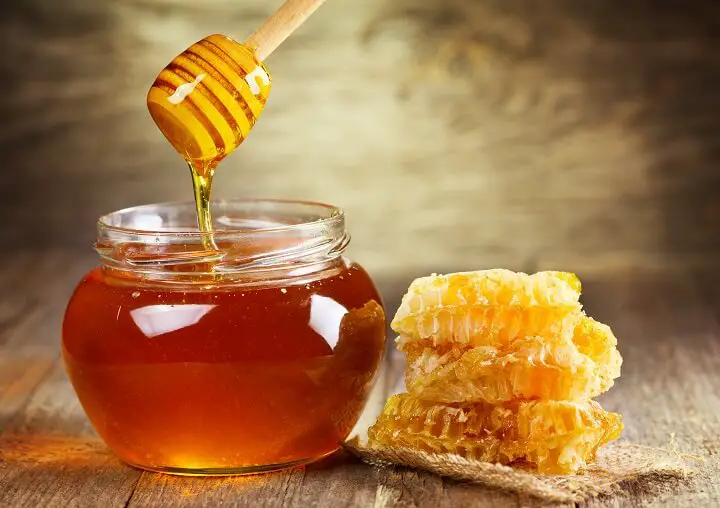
[[52, 408], [15, 303], [401, 487], [59, 471], [668, 390], [337, 481], [46, 288], [21, 371], [49, 454]]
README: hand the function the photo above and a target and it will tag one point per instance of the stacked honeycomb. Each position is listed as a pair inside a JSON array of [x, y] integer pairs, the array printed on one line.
[[501, 367]]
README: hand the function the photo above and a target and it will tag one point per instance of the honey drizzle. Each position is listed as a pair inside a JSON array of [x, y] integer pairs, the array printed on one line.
[[202, 178], [206, 102]]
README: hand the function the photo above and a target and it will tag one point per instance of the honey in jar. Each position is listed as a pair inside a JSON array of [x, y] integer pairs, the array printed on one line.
[[257, 355]]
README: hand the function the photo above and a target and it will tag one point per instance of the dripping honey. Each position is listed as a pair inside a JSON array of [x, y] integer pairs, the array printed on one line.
[[205, 102], [202, 179], [247, 378]]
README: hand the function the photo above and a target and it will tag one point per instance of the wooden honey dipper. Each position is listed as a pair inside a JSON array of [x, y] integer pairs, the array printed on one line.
[[206, 101]]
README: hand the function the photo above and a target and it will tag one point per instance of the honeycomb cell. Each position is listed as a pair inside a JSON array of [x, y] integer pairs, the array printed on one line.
[[490, 287], [489, 306], [526, 368], [487, 325], [555, 437], [597, 341]]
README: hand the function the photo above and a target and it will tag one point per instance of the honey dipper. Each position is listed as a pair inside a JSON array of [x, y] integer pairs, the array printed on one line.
[[206, 101]]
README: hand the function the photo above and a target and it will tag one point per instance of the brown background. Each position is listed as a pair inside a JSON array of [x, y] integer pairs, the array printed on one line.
[[580, 135]]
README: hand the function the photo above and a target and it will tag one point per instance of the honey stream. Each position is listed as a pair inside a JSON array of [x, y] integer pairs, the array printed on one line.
[[206, 102], [202, 180]]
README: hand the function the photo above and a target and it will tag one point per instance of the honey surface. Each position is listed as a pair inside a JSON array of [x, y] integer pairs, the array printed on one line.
[[224, 377]]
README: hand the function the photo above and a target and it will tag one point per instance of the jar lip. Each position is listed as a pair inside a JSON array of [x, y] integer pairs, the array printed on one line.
[[333, 216], [251, 239]]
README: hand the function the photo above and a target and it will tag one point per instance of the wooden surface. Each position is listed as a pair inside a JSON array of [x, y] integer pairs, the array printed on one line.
[[669, 395]]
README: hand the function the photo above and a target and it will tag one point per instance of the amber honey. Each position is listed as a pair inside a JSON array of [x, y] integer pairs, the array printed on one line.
[[225, 379]]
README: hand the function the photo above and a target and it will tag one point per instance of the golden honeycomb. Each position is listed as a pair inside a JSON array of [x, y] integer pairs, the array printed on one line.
[[501, 367], [490, 287], [487, 325], [526, 368], [597, 341], [490, 306], [548, 436]]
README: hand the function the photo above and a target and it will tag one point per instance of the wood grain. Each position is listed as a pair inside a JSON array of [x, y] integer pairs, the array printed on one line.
[[45, 470], [667, 393], [337, 481], [21, 371]]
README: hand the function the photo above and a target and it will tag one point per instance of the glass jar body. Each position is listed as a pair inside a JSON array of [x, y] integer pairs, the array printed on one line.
[[224, 377]]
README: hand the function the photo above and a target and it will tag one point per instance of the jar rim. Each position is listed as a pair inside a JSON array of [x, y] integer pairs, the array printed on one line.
[[259, 238], [334, 216]]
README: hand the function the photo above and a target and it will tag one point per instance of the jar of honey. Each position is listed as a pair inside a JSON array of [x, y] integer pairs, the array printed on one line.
[[248, 349]]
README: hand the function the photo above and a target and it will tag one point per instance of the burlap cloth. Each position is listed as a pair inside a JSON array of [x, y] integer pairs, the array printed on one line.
[[616, 465]]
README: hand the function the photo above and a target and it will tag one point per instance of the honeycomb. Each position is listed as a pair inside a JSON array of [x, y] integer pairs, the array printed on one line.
[[527, 368], [554, 437], [502, 367], [489, 306], [490, 287], [597, 341], [487, 325]]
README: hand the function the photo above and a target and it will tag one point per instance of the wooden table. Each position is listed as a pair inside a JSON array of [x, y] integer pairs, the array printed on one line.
[[669, 334]]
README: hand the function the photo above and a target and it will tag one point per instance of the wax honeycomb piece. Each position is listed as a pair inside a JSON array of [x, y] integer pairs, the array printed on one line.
[[547, 436], [489, 306], [597, 341], [490, 287], [526, 368], [487, 325]]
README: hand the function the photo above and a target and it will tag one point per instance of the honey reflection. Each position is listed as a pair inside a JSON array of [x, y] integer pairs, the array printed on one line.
[[155, 320], [326, 317]]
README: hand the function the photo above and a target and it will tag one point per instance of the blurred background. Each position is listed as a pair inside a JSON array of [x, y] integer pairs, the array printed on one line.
[[457, 134]]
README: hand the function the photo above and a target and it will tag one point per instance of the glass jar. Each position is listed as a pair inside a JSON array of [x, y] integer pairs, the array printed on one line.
[[250, 349]]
